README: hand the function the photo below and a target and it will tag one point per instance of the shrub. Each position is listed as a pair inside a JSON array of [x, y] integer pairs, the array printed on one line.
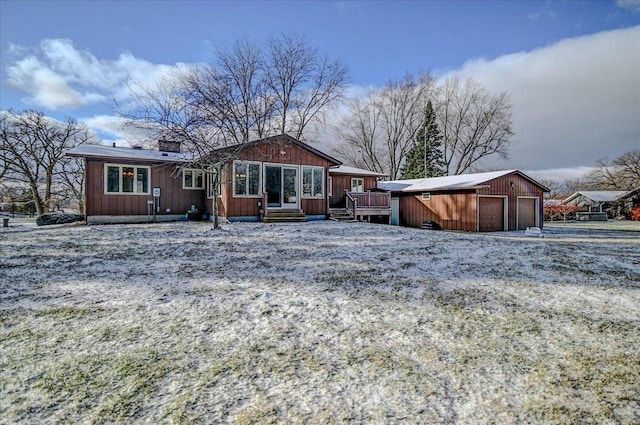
[[58, 218], [635, 214]]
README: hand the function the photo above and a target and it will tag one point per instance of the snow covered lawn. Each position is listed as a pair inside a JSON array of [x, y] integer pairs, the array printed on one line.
[[318, 322]]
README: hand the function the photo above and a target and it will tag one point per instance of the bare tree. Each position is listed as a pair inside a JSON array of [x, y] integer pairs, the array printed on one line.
[[303, 82], [248, 92], [623, 173], [474, 124], [33, 147], [380, 130]]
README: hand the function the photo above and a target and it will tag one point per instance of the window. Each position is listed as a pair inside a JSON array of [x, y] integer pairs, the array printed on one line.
[[246, 179], [312, 182], [211, 180], [125, 179], [357, 185], [330, 186], [426, 196], [192, 179]]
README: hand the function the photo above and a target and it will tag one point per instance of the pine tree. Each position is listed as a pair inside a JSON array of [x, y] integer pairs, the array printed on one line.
[[425, 159]]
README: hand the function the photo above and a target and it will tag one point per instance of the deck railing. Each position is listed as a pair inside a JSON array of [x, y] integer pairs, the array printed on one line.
[[367, 201]]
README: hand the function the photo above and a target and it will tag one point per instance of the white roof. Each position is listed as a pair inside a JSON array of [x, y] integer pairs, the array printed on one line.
[[346, 169], [598, 195], [103, 151], [464, 181]]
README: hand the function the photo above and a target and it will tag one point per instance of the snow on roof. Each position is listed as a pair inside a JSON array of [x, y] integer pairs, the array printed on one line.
[[464, 181], [346, 169], [598, 195], [103, 151]]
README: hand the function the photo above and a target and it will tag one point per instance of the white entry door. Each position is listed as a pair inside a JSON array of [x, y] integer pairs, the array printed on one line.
[[281, 185]]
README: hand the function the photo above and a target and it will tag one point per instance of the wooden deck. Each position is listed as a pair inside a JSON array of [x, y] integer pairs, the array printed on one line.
[[366, 204]]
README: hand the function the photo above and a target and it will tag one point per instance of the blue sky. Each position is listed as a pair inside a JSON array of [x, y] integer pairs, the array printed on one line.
[[44, 43]]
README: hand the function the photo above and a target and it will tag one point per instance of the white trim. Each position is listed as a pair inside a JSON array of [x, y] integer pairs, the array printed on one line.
[[505, 204], [135, 175], [312, 167], [260, 179], [537, 210], [298, 183], [330, 188], [193, 172], [356, 179]]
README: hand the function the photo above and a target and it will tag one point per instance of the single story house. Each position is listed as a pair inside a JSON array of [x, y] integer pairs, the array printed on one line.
[[624, 204], [594, 201], [274, 179], [482, 202]]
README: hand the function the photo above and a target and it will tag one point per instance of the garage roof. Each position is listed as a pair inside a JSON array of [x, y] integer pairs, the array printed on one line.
[[464, 181]]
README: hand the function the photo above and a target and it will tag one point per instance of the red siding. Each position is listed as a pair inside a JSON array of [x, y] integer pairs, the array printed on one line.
[[452, 211], [342, 183], [279, 152], [172, 195]]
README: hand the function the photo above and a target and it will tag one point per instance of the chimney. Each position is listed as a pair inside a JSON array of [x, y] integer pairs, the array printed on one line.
[[168, 146]]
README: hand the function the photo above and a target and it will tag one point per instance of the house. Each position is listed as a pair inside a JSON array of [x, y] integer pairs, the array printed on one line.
[[354, 194], [132, 184], [493, 201], [272, 179], [624, 204], [594, 205]]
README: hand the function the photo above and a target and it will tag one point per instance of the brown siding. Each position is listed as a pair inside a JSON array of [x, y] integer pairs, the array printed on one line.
[[342, 183], [521, 187], [272, 153], [172, 196], [452, 211]]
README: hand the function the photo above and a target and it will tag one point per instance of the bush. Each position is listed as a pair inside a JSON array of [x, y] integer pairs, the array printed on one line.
[[58, 218], [635, 214]]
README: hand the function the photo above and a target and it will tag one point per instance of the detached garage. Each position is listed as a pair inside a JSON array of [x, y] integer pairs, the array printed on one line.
[[482, 202]]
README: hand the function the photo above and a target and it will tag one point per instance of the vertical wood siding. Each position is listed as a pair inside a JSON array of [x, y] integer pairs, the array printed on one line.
[[271, 153], [172, 195], [452, 211], [458, 210], [521, 187], [342, 182]]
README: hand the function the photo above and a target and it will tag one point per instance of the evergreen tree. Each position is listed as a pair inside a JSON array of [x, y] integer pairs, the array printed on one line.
[[425, 159]]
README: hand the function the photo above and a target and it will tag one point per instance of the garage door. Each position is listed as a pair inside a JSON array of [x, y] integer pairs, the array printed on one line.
[[526, 213], [491, 214]]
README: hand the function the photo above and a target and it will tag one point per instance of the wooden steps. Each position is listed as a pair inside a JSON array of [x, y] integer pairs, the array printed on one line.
[[340, 214], [284, 216]]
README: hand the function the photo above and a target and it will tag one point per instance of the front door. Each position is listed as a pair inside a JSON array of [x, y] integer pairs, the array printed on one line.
[[281, 185]]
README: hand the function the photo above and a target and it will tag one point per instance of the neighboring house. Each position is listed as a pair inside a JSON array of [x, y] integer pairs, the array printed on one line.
[[594, 201], [277, 177], [622, 206], [494, 201]]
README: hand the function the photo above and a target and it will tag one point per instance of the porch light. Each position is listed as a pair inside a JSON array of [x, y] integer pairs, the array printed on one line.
[[283, 152]]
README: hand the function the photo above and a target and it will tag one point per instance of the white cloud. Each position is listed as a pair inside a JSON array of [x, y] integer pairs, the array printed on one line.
[[631, 5], [58, 75], [574, 101]]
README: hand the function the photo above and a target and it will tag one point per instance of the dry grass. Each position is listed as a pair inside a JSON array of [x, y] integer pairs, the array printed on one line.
[[316, 323]]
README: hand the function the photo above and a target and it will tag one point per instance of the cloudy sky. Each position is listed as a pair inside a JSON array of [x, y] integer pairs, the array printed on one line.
[[572, 68]]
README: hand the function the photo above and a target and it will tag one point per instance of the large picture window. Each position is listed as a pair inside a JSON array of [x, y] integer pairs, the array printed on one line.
[[192, 179], [126, 179], [312, 182], [246, 178]]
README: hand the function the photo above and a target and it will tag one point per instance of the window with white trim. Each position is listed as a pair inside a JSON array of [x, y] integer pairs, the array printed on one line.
[[246, 179], [357, 185], [126, 179], [312, 182], [192, 179], [330, 183]]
